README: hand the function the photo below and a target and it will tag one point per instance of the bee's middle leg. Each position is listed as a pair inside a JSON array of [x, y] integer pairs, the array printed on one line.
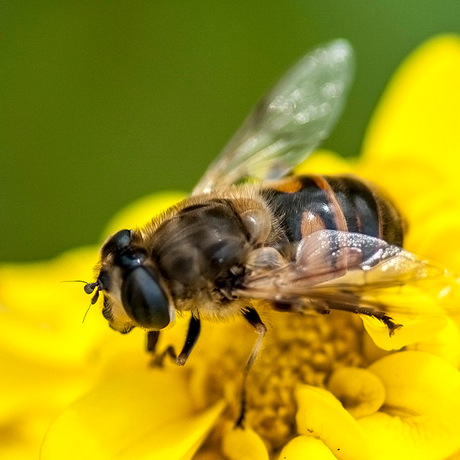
[[253, 318]]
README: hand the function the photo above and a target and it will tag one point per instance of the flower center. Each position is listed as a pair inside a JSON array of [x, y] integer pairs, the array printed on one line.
[[297, 350], [302, 349]]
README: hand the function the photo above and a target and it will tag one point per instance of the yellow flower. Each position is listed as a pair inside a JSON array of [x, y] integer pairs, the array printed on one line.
[[320, 389]]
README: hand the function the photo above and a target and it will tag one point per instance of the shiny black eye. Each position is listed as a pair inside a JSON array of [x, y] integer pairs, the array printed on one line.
[[143, 299], [129, 260], [116, 242]]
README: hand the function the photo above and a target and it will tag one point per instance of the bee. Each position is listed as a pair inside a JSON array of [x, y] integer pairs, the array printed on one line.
[[250, 233]]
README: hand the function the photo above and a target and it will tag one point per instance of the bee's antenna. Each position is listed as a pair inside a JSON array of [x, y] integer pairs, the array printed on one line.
[[74, 281], [89, 288], [86, 313]]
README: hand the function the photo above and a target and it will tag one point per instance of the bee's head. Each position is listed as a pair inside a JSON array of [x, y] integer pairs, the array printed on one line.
[[133, 292]]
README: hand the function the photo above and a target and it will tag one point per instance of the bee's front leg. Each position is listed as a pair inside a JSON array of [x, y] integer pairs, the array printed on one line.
[[158, 357], [193, 333]]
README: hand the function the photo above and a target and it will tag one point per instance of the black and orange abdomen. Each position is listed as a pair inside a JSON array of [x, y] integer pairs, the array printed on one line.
[[305, 204]]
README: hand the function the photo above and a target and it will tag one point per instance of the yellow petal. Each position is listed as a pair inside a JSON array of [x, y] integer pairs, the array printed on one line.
[[21, 437], [324, 162], [317, 408], [413, 330], [243, 444], [371, 352], [360, 391], [306, 448], [46, 353], [416, 382], [435, 239], [418, 114], [44, 320], [179, 439], [146, 412], [28, 385], [421, 438], [142, 211], [455, 456], [445, 344], [422, 408], [407, 191]]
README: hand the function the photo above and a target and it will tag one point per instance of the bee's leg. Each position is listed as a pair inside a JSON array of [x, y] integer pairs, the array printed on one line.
[[381, 315], [158, 358], [254, 320], [193, 333], [190, 341], [152, 340], [371, 311], [345, 302]]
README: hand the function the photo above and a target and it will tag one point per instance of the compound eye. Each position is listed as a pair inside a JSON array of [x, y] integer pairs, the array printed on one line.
[[116, 242], [143, 299]]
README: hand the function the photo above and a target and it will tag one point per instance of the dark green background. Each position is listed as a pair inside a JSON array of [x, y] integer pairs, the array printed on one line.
[[104, 102]]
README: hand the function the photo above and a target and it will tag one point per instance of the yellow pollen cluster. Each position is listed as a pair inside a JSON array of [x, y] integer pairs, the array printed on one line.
[[297, 350]]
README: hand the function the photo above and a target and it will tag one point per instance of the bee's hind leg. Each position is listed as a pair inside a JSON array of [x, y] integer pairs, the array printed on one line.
[[382, 316], [344, 301], [371, 311], [193, 333]]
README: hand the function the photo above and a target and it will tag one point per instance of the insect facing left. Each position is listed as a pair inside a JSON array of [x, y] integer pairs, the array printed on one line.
[[301, 244]]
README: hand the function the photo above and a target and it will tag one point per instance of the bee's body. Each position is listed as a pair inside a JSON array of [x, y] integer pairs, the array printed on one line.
[[203, 247]]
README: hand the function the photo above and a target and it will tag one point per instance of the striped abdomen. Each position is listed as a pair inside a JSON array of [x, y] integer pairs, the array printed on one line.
[[305, 204]]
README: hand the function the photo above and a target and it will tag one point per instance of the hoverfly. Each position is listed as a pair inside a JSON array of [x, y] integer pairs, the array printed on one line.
[[301, 244]]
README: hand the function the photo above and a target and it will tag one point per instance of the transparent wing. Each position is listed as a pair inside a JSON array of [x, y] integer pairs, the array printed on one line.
[[344, 270], [289, 122]]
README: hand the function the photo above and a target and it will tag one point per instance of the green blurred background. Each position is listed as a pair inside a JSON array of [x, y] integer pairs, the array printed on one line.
[[104, 102]]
